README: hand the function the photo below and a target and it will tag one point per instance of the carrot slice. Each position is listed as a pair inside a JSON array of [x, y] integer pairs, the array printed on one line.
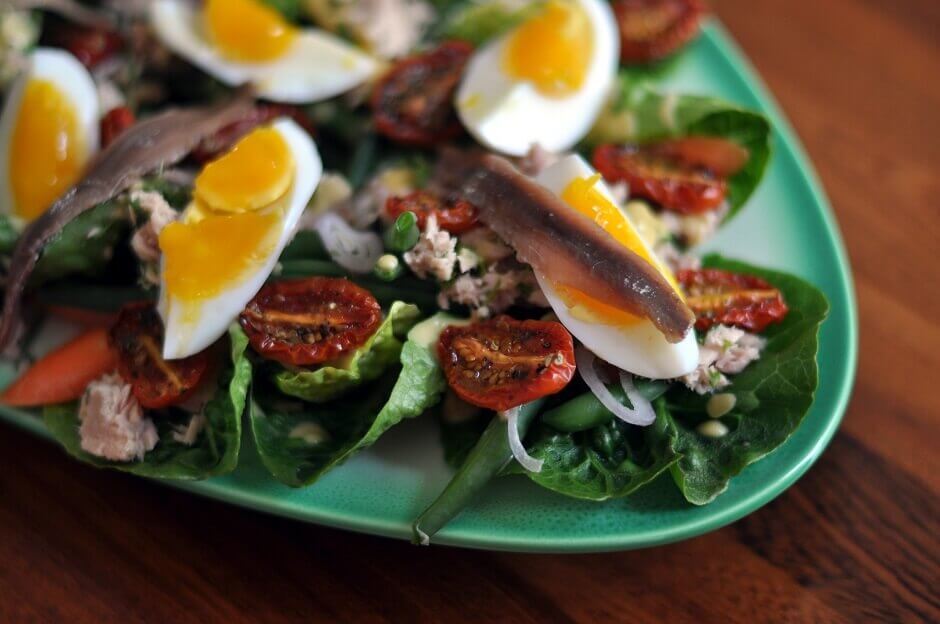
[[63, 374]]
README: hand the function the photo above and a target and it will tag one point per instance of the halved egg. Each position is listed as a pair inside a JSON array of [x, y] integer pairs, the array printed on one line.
[[246, 41], [48, 132], [543, 82], [623, 339], [246, 205]]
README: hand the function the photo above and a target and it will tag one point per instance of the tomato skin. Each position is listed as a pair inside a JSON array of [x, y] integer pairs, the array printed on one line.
[[722, 157], [217, 144], [115, 121], [89, 45], [502, 363], [137, 337], [654, 29], [309, 321], [413, 103], [456, 217], [672, 184], [722, 297]]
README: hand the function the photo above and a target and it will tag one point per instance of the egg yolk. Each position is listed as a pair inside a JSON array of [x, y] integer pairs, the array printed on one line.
[[582, 195], [233, 224], [47, 151], [552, 50], [254, 173], [247, 30]]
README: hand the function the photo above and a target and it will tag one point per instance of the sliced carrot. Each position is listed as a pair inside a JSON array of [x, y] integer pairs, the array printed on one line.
[[63, 374]]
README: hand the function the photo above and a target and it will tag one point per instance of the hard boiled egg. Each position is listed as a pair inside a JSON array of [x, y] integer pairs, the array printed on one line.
[[246, 41], [544, 82], [48, 132], [246, 205], [623, 339]]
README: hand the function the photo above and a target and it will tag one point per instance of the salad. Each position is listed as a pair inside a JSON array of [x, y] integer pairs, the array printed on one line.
[[306, 221]]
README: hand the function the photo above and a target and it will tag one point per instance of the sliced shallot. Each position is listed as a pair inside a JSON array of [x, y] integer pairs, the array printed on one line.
[[511, 416], [354, 250], [642, 409], [586, 367]]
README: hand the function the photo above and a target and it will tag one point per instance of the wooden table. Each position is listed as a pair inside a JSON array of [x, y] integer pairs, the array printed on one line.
[[855, 540]]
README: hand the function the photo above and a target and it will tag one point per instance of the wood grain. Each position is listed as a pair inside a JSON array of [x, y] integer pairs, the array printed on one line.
[[855, 540]]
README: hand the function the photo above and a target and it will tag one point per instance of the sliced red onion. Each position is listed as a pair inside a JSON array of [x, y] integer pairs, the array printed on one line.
[[352, 249], [642, 409], [586, 367], [511, 416]]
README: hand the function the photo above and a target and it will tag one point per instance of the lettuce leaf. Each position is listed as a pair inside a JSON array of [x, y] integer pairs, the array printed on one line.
[[299, 443], [773, 396], [216, 449], [365, 364], [478, 22], [637, 113]]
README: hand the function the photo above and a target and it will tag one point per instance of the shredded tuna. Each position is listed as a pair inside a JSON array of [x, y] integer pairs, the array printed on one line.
[[368, 204], [113, 425], [676, 259], [389, 28], [537, 159], [145, 241], [694, 229], [435, 253], [188, 434], [486, 244], [496, 290], [725, 351]]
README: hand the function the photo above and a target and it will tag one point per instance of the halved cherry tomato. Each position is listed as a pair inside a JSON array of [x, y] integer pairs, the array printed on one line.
[[723, 297], [654, 29], [216, 144], [456, 217], [722, 157], [115, 121], [63, 374], [413, 103], [309, 321], [90, 45], [669, 182], [137, 337], [503, 363]]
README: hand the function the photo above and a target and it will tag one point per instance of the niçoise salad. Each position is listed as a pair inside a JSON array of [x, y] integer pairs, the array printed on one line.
[[306, 221]]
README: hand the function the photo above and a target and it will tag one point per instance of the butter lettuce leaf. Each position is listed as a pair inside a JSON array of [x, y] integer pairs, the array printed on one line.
[[638, 114], [299, 443], [363, 365], [215, 450], [773, 395]]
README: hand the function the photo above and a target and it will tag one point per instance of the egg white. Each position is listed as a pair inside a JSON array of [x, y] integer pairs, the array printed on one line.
[[639, 348], [183, 337], [510, 116], [317, 66], [74, 82]]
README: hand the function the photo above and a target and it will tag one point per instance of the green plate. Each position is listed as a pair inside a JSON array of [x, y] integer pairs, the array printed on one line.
[[788, 225]]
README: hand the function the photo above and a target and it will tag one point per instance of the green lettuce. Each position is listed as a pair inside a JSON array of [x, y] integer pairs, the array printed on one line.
[[639, 114], [299, 443], [478, 22], [363, 365], [773, 396], [215, 451]]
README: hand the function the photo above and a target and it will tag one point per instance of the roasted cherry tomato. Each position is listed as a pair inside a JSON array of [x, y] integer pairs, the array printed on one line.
[[654, 29], [220, 142], [723, 297], [413, 103], [503, 363], [456, 217], [669, 182], [90, 45], [137, 337], [310, 321], [115, 121], [720, 156]]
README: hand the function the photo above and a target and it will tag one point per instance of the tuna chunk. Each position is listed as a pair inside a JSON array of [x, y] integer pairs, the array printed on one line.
[[113, 423]]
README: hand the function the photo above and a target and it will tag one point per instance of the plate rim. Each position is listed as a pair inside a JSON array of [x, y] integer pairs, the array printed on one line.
[[718, 36]]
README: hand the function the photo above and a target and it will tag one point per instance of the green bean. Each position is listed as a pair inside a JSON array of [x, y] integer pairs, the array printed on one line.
[[487, 459], [307, 245], [362, 161], [586, 411], [403, 234]]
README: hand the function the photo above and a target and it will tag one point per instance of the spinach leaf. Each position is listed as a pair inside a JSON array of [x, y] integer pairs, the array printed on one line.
[[773, 395], [85, 245], [216, 449], [363, 365], [298, 444], [637, 113]]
